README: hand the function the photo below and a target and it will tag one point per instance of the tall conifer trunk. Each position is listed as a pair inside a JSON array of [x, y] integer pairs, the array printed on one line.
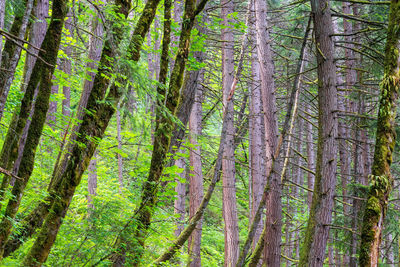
[[229, 208], [273, 221], [317, 233]]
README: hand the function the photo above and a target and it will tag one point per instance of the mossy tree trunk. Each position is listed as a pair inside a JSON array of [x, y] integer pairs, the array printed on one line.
[[92, 128], [35, 218], [43, 73], [317, 232], [381, 179]]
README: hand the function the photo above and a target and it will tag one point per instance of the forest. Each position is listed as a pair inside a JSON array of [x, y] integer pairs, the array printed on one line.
[[199, 133]]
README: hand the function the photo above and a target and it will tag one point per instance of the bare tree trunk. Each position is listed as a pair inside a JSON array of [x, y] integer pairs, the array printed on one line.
[[273, 222], [317, 233], [286, 130], [14, 58], [119, 156], [229, 208], [310, 155], [66, 67], [36, 36], [92, 180], [10, 48], [196, 176], [257, 152], [381, 178], [51, 114], [179, 204]]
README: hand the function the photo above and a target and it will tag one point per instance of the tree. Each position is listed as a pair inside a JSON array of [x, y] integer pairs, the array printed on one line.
[[381, 180], [317, 233], [228, 162]]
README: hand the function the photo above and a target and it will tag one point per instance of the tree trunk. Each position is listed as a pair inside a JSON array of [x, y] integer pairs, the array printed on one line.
[[9, 50], [119, 156], [196, 176], [14, 58], [381, 179], [92, 180], [317, 233], [51, 46], [273, 222], [51, 114], [36, 36], [310, 155], [229, 208], [179, 204], [2, 13], [257, 153], [66, 67]]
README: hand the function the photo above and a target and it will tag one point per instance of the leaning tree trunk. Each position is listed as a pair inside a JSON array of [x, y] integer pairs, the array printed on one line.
[[5, 84], [381, 179], [317, 233], [2, 13], [35, 218], [51, 45], [10, 47], [66, 68], [10, 149], [93, 127]]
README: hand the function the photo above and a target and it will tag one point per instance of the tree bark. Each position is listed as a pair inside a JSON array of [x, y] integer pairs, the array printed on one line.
[[10, 49], [66, 67], [179, 203], [229, 209], [119, 156], [317, 233], [257, 153], [310, 155], [196, 177], [92, 180], [381, 180], [2, 13], [14, 58], [273, 222]]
